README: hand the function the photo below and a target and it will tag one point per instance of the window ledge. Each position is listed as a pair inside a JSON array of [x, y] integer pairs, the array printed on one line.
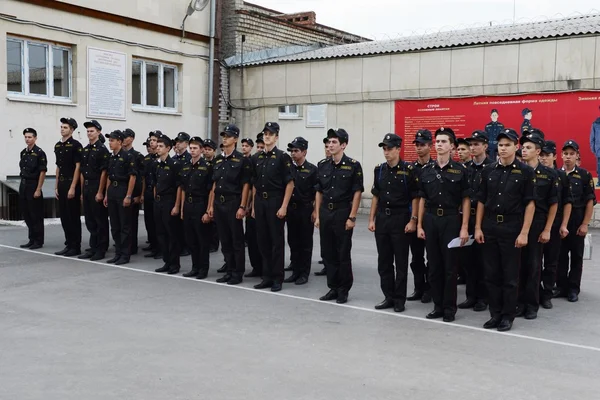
[[294, 117], [40, 100], [156, 111]]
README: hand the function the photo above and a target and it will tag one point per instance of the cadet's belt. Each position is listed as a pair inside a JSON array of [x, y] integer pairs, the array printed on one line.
[[222, 198], [165, 197], [393, 210], [119, 183], [337, 206], [442, 212], [502, 218], [269, 194], [196, 199], [88, 181], [26, 181], [473, 211], [300, 204], [65, 178]]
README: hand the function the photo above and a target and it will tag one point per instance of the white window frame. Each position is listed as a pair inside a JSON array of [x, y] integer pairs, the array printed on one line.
[[161, 97], [25, 94], [290, 114]]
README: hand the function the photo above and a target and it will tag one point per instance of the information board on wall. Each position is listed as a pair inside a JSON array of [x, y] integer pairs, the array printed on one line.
[[561, 116], [106, 84]]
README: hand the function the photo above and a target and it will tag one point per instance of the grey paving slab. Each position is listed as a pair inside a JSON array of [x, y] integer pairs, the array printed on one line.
[[71, 329]]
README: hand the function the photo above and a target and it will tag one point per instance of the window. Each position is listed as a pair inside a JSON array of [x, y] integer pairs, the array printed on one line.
[[38, 69], [153, 85], [289, 112]]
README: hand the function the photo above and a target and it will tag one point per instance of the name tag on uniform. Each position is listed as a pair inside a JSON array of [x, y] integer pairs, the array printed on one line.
[[186, 168], [454, 171], [305, 170], [347, 167], [219, 161], [401, 173], [121, 159], [542, 176], [273, 156], [516, 171], [202, 168], [234, 160], [68, 145], [166, 167], [576, 176]]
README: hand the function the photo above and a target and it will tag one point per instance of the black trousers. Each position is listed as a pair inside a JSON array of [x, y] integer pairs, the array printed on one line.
[[568, 276], [70, 213], [300, 237], [214, 243], [96, 217], [501, 260], [33, 210], [439, 231], [120, 224], [231, 234], [197, 234], [392, 246], [551, 255], [252, 242], [417, 264], [149, 219], [531, 266], [166, 230], [473, 267], [271, 237], [336, 243]]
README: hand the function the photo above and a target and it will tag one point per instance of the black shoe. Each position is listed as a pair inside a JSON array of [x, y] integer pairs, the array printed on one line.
[[573, 297], [342, 299], [461, 280], [222, 269], [147, 248], [416, 295], [399, 306], [291, 279], [234, 281], [86, 256], [72, 252], [449, 318], [547, 304], [97, 256], [174, 271], [468, 303], [530, 314], [190, 274], [253, 274], [184, 253], [62, 252], [321, 262], [331, 295], [213, 250], [426, 298], [224, 279], [303, 280], [27, 245], [505, 325], [435, 314], [276, 287], [202, 275], [122, 261], [492, 323], [480, 306], [322, 272], [520, 311], [289, 268], [264, 285], [164, 268], [36, 246], [150, 255], [556, 293], [113, 260], [385, 304], [158, 256]]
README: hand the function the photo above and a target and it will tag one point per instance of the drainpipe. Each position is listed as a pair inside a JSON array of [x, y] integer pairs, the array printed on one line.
[[211, 67]]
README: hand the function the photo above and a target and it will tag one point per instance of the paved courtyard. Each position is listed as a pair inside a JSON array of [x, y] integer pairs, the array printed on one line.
[[73, 329]]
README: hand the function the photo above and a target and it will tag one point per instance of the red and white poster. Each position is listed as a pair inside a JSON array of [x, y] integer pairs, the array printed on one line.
[[561, 116]]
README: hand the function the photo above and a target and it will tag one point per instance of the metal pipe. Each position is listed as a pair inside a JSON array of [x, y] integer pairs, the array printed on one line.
[[211, 66]]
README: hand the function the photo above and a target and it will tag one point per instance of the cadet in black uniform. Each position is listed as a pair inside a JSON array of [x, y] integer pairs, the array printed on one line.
[[418, 266], [118, 199], [250, 234], [68, 191], [300, 211], [526, 125], [231, 174], [273, 187], [138, 190], [34, 165], [339, 188], [196, 183], [94, 165], [559, 228], [167, 203], [209, 155], [475, 290], [584, 199], [546, 205], [182, 156], [393, 218], [492, 130], [504, 214], [148, 195], [443, 191]]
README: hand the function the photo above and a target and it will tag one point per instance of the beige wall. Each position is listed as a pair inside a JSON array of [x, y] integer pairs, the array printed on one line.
[[17, 115]]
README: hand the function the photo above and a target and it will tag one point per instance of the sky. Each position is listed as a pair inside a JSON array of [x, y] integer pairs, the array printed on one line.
[[382, 19]]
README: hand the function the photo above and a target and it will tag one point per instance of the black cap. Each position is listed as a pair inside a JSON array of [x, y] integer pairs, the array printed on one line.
[[93, 124], [423, 136], [534, 138], [69, 121], [391, 140], [272, 127], [146, 143], [525, 111], [298, 143], [165, 139], [509, 134], [115, 135], [182, 137], [197, 140], [260, 138], [231, 130], [538, 132], [462, 141], [30, 130], [156, 134], [494, 111], [572, 144], [128, 133], [549, 147], [340, 133], [446, 131], [479, 136], [249, 141], [210, 143]]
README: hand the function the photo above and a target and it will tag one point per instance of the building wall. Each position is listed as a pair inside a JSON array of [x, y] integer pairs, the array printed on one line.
[[44, 115]]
